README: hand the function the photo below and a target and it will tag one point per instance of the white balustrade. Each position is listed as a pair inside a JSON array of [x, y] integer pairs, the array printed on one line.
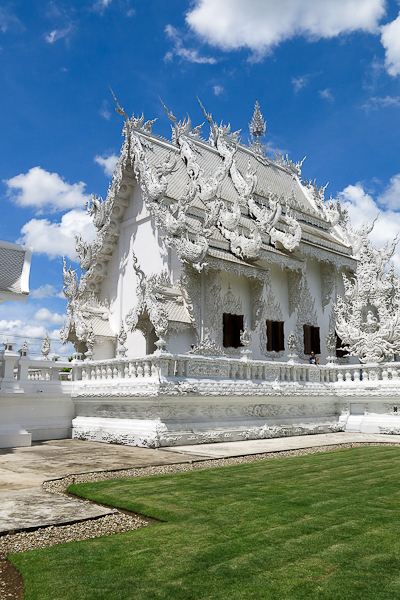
[[181, 367]]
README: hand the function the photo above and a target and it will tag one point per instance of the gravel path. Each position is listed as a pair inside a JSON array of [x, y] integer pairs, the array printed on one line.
[[120, 521]]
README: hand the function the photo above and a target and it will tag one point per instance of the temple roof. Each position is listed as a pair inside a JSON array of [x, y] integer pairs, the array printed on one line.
[[218, 195]]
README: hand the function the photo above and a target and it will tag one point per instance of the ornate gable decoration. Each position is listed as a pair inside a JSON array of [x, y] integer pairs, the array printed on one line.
[[163, 305]]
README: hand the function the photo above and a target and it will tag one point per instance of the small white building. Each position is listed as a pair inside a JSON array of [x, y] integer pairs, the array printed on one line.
[[15, 264]]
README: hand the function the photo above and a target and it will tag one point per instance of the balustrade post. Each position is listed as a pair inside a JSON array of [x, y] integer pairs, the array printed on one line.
[[23, 363], [76, 366], [9, 358]]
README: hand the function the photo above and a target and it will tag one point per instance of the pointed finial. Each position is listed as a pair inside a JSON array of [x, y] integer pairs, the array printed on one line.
[[118, 108], [258, 126]]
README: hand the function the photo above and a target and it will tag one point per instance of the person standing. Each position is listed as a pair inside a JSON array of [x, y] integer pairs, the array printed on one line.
[[313, 358]]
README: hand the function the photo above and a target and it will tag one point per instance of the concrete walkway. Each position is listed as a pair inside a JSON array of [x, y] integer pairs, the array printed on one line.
[[24, 504], [227, 449]]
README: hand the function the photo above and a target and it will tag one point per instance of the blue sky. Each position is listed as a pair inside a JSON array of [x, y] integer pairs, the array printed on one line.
[[326, 75]]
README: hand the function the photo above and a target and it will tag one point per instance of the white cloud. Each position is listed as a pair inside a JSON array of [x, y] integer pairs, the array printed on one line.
[[46, 291], [18, 331], [391, 42], [263, 24], [218, 89], [39, 188], [131, 12], [326, 94], [386, 102], [299, 82], [363, 208], [189, 54], [104, 112], [101, 5], [43, 314], [58, 34], [390, 198], [57, 239], [9, 21], [107, 163], [21, 330]]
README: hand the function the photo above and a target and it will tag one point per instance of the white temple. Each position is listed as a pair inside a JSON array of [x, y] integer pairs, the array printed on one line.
[[214, 273], [191, 231]]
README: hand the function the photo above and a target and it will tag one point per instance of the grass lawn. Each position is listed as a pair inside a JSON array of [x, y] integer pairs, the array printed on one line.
[[323, 526]]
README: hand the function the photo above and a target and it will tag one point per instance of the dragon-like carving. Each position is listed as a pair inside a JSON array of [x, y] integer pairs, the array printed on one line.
[[84, 251], [289, 239], [99, 210], [266, 218], [242, 246], [191, 252], [82, 307], [229, 219], [246, 185], [289, 165], [150, 299]]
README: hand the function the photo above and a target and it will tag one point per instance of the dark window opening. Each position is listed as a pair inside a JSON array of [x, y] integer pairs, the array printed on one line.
[[275, 336], [339, 352], [311, 340], [232, 328]]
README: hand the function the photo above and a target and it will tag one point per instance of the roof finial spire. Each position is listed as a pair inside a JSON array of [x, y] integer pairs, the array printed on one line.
[[257, 127]]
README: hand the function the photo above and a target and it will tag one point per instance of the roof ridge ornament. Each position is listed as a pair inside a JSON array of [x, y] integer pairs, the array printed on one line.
[[257, 129], [133, 122]]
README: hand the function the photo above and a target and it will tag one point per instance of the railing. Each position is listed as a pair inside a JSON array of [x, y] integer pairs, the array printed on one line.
[[183, 366], [17, 369], [165, 366], [201, 367]]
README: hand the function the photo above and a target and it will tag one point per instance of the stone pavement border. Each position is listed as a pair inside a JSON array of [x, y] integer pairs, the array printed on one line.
[[229, 449], [24, 504]]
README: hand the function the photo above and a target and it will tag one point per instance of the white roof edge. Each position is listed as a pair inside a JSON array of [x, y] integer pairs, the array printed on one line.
[[23, 297], [26, 269], [27, 250]]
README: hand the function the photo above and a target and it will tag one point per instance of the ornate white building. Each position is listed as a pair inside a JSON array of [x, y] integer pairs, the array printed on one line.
[[214, 273]]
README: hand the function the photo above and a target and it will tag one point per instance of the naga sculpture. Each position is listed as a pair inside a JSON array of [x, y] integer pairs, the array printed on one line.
[[150, 299], [244, 247], [99, 210], [84, 251], [289, 239], [191, 252], [82, 307]]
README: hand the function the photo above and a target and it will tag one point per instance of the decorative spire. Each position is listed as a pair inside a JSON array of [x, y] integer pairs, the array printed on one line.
[[46, 346], [258, 126], [257, 129]]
